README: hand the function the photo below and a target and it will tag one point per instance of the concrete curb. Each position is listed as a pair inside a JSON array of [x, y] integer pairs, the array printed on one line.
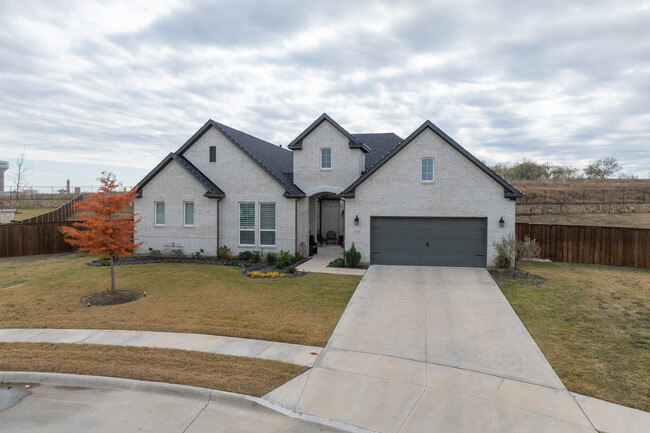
[[186, 391]]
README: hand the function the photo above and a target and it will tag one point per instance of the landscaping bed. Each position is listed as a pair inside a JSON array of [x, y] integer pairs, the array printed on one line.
[[593, 325], [246, 265]]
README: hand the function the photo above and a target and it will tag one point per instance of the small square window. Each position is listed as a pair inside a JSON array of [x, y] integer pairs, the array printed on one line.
[[188, 214], [427, 170], [160, 213], [326, 158], [213, 153]]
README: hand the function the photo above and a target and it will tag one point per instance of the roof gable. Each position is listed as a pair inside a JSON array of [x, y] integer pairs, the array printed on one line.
[[212, 190], [354, 142], [509, 190], [276, 161]]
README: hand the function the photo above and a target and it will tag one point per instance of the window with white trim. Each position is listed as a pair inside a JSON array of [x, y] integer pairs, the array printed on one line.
[[427, 170], [267, 224], [159, 207], [246, 223], [188, 214], [326, 158]]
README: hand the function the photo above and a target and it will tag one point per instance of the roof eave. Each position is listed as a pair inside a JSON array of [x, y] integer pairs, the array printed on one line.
[[354, 142]]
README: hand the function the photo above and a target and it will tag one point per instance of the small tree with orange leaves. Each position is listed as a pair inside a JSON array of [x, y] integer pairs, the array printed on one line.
[[104, 228]]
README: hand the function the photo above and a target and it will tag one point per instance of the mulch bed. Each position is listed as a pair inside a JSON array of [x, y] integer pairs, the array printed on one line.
[[108, 298], [246, 266], [503, 277]]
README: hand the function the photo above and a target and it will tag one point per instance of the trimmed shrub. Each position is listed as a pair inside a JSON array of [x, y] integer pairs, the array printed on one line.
[[222, 252], [197, 254], [338, 263], [177, 252], [285, 256], [352, 257], [297, 257], [283, 264], [271, 258], [291, 269], [245, 255], [255, 258], [155, 253], [502, 262]]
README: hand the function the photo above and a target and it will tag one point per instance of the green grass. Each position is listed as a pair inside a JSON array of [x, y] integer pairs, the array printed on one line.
[[26, 213], [631, 220], [42, 291], [593, 325]]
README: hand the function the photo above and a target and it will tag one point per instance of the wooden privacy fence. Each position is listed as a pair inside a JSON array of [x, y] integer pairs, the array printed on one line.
[[33, 239], [591, 245], [61, 214]]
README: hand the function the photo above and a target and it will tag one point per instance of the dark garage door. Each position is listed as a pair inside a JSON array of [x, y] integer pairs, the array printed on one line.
[[428, 241]]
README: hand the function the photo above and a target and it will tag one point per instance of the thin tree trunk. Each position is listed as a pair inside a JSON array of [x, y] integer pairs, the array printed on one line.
[[112, 275]]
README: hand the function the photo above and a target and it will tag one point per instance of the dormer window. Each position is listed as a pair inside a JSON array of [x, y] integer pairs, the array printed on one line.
[[426, 173], [326, 159]]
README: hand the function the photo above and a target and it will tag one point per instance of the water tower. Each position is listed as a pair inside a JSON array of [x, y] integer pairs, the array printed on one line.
[[4, 166]]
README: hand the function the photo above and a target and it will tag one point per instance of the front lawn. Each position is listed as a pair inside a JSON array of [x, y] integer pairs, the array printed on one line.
[[45, 291], [593, 325]]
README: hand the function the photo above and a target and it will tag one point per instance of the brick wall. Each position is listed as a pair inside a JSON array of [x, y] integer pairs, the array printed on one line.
[[460, 189]]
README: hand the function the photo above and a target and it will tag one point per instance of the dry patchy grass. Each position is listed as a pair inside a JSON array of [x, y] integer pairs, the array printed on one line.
[[593, 325], [631, 220], [45, 291], [228, 373], [26, 213]]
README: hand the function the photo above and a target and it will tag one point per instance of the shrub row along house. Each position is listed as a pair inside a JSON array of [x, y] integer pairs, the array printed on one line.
[[422, 200]]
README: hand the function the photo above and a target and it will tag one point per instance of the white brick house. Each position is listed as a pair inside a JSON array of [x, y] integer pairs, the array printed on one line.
[[420, 200]]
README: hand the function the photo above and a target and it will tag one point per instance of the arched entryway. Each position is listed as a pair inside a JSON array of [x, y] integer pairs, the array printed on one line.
[[326, 219]]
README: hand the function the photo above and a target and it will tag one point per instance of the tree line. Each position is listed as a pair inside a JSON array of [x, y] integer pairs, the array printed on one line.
[[527, 169]]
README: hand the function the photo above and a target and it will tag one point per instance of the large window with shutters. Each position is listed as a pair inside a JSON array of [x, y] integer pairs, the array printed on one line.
[[267, 224], [246, 223]]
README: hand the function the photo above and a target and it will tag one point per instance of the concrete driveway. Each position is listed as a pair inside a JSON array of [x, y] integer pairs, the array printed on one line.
[[428, 349]]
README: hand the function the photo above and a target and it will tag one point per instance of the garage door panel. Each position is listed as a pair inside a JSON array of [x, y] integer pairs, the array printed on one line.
[[429, 241]]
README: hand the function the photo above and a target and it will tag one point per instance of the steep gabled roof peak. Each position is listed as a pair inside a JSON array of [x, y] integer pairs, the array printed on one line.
[[354, 142]]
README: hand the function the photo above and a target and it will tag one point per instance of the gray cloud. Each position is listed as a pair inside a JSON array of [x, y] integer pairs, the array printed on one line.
[[554, 81]]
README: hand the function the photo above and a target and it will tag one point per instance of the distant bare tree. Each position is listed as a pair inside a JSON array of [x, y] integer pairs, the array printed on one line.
[[21, 172], [602, 169]]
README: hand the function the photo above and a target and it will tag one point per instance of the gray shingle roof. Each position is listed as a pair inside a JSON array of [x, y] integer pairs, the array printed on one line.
[[379, 144], [278, 162]]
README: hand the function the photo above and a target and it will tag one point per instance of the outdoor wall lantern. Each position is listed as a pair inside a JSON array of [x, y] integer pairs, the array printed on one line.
[[502, 222], [356, 220]]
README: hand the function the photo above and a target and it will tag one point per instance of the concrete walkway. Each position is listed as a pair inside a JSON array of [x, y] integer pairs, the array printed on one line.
[[285, 352], [325, 255], [423, 349]]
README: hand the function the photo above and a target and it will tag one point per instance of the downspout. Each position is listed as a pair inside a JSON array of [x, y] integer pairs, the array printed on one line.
[[218, 220]]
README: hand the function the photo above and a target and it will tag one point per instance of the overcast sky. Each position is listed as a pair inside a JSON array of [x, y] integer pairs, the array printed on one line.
[[118, 85]]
